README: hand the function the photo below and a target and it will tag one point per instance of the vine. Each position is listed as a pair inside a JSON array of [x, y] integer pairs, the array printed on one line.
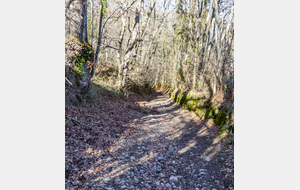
[[81, 60]]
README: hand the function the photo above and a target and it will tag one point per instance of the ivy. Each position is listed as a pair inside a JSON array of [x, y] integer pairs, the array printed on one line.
[[80, 61], [104, 8]]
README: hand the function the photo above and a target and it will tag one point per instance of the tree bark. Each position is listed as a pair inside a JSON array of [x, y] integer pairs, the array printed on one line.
[[92, 22], [96, 56]]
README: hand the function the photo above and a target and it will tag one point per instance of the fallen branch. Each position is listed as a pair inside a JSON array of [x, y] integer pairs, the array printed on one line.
[[77, 122]]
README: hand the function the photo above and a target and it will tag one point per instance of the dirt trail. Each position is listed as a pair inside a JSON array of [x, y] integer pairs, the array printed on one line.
[[170, 149]]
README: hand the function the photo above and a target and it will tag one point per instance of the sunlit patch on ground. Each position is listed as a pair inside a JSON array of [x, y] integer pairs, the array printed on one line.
[[202, 132], [210, 152], [123, 168], [189, 145]]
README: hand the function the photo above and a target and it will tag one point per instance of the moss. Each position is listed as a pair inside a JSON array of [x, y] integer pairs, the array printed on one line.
[[231, 127], [198, 112], [194, 104], [209, 113], [207, 109], [190, 105], [179, 97], [219, 119], [207, 104], [183, 99]]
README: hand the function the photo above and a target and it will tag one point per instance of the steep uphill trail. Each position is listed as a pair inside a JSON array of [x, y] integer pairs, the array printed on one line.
[[167, 149]]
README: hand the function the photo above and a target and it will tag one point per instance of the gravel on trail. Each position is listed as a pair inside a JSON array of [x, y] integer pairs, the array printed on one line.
[[167, 149]]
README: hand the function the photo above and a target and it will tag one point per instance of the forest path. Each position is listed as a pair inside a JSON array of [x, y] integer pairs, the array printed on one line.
[[168, 150]]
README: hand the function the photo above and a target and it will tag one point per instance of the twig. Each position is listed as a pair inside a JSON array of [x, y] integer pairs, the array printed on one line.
[[68, 81], [110, 47]]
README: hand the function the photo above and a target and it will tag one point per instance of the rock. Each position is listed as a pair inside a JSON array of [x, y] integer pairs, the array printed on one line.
[[216, 111], [205, 188], [76, 182], [132, 158], [160, 158], [173, 178], [106, 179], [168, 185], [205, 158], [161, 175], [171, 148], [123, 187], [117, 180]]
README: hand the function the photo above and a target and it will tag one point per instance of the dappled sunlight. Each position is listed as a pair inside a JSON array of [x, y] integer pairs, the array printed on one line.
[[189, 145], [176, 134], [156, 148], [124, 167], [220, 137], [202, 132], [210, 152], [111, 165]]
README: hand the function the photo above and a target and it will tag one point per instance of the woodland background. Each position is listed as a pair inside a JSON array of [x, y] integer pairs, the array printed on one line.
[[186, 45]]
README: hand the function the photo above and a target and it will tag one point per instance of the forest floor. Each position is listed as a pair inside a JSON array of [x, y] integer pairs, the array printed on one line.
[[144, 142]]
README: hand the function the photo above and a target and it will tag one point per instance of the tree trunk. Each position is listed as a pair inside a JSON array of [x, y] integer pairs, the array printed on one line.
[[74, 15], [92, 22], [83, 29], [121, 38], [131, 43], [96, 57]]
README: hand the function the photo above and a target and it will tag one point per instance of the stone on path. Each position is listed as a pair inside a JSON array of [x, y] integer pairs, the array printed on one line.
[[173, 178], [171, 148]]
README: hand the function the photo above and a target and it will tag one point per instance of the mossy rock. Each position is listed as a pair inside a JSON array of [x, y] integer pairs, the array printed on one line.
[[207, 109], [190, 105], [220, 118], [199, 112], [196, 105], [200, 103], [179, 96], [209, 113], [185, 100], [182, 99], [208, 103]]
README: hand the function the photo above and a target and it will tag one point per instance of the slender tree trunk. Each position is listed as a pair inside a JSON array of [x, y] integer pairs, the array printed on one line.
[[96, 56], [131, 43], [92, 22], [121, 38], [83, 31]]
